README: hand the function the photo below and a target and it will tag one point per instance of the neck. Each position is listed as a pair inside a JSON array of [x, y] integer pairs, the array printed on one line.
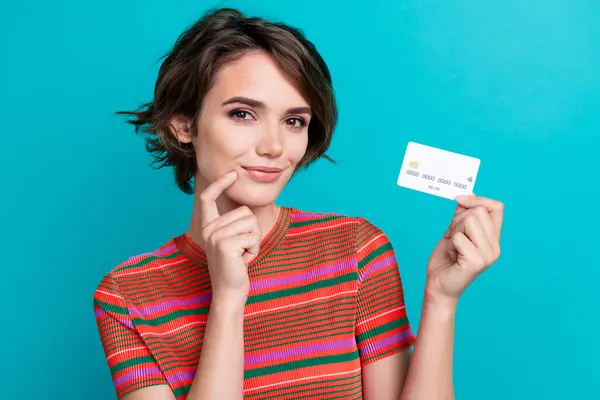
[[266, 215]]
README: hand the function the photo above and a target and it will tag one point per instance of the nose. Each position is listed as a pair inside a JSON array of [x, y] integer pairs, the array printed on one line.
[[270, 144]]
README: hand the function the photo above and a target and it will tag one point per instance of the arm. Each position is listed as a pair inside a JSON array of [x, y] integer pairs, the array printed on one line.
[[220, 372], [390, 369], [430, 372], [383, 332], [425, 374], [136, 375], [471, 244], [134, 371], [231, 240]]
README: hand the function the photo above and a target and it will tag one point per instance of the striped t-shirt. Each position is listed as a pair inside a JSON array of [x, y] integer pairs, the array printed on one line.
[[325, 299]]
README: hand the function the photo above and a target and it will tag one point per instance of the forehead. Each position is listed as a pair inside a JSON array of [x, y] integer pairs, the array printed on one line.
[[256, 75]]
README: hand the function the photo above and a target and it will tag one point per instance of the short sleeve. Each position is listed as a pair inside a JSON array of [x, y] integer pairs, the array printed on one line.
[[382, 325], [131, 364]]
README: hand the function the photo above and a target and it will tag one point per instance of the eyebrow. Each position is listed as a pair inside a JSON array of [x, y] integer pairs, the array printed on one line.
[[259, 104]]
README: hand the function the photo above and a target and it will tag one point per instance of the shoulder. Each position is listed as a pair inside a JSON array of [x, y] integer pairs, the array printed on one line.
[[135, 273], [355, 227], [350, 234]]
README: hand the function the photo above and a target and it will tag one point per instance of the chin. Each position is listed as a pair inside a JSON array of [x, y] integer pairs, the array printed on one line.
[[253, 196]]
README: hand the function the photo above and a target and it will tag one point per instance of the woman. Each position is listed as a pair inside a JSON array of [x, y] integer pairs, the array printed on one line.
[[257, 300]]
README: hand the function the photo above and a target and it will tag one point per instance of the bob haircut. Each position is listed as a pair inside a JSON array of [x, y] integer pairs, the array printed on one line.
[[189, 69]]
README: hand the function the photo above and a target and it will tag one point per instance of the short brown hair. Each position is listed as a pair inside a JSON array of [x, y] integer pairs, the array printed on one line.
[[188, 72]]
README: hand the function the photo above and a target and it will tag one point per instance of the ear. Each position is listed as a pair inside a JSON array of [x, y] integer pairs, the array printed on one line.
[[181, 128]]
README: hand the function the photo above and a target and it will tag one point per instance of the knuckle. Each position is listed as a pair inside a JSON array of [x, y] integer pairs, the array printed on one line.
[[480, 210], [456, 237], [488, 259], [214, 241], [470, 219], [481, 261], [204, 197]]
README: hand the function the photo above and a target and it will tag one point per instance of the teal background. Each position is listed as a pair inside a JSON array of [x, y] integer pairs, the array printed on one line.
[[514, 83]]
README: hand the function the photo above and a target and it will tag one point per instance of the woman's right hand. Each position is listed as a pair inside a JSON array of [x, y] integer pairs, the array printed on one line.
[[230, 241]]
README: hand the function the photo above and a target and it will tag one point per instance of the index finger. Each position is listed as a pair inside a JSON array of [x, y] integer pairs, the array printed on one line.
[[494, 208], [208, 198]]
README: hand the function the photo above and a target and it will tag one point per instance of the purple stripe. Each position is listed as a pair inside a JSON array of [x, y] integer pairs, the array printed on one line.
[[158, 252], [299, 351], [386, 262], [164, 250], [143, 373], [307, 216], [302, 277], [369, 349], [169, 305], [180, 377], [127, 323], [100, 312]]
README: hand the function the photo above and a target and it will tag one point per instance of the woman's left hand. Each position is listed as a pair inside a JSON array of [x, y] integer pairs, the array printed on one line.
[[470, 245]]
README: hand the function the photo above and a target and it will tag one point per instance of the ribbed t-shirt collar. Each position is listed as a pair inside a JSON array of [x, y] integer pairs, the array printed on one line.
[[196, 254]]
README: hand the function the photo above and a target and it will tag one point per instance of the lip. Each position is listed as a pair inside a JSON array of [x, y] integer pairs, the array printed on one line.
[[263, 174]]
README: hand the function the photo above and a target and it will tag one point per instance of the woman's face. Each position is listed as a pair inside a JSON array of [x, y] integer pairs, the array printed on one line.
[[255, 122]]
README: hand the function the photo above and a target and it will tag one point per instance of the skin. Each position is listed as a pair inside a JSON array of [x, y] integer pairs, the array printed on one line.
[[232, 213]]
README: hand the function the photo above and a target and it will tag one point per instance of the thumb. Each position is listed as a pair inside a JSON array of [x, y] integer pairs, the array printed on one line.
[[460, 208], [457, 211]]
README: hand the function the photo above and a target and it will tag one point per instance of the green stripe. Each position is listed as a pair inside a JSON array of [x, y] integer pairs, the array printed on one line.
[[352, 276], [299, 224], [147, 260], [131, 363], [382, 329], [309, 362], [112, 308], [180, 391], [170, 316], [299, 261], [378, 251]]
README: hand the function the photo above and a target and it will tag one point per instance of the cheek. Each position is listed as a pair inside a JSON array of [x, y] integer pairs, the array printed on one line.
[[297, 147], [217, 148]]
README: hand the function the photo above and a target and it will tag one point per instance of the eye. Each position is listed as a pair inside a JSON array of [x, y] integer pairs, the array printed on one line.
[[240, 114], [295, 122]]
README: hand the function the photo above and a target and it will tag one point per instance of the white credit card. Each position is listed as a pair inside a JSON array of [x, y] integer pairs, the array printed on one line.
[[438, 172]]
